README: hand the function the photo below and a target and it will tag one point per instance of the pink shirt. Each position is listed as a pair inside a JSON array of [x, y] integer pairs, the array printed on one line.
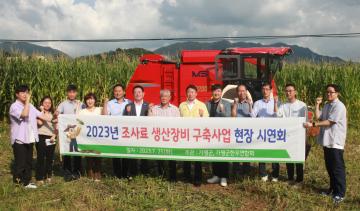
[[20, 126]]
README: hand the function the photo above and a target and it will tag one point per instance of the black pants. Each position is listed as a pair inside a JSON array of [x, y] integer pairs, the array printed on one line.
[[299, 167], [299, 171], [44, 158], [275, 170], [117, 167], [23, 163], [335, 167], [72, 164], [130, 167], [197, 171], [221, 169], [172, 168]]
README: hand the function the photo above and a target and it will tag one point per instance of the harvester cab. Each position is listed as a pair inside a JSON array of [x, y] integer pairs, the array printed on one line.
[[250, 66]]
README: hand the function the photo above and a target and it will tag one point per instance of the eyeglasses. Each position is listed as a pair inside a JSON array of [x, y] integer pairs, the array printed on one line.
[[330, 92], [289, 90]]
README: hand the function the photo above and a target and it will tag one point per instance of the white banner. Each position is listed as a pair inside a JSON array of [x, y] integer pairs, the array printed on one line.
[[177, 138]]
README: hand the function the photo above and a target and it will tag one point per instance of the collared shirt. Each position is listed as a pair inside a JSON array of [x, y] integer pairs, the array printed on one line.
[[333, 136], [263, 108], [115, 108], [294, 109], [190, 104], [138, 107], [69, 107], [169, 111], [185, 111], [243, 109], [23, 130]]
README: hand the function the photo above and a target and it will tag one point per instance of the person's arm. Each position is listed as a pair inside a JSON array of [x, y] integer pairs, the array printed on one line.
[[105, 110], [150, 110], [205, 111], [255, 110], [317, 108], [26, 110], [234, 107], [276, 100]]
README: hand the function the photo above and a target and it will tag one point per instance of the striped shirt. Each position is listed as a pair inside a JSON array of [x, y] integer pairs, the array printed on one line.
[[169, 111]]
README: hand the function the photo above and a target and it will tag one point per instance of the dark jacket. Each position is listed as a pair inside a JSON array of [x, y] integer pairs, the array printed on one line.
[[227, 107], [144, 109]]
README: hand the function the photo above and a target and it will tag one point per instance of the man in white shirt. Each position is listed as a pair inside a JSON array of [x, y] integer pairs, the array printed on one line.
[[333, 122], [293, 108], [137, 108], [266, 108]]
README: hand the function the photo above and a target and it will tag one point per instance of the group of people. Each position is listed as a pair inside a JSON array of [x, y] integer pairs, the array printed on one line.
[[31, 126]]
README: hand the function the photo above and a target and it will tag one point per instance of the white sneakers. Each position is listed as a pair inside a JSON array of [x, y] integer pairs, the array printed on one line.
[[216, 179], [213, 180], [31, 186], [274, 180], [223, 182], [264, 178]]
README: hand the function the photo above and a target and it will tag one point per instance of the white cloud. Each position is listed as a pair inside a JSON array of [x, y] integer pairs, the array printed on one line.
[[97, 19]]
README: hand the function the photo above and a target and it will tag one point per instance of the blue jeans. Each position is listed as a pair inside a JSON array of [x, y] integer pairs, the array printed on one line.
[[73, 145]]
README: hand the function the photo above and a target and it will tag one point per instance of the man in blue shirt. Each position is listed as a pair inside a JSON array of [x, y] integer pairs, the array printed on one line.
[[115, 107], [266, 108]]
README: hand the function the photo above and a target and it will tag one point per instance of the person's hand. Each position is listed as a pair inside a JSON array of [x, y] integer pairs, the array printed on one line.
[[201, 112], [151, 106], [221, 107], [28, 97], [276, 100], [318, 101], [307, 124], [128, 109], [106, 100]]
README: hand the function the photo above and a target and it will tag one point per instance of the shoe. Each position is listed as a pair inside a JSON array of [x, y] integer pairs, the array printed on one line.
[[223, 182], [97, 180], [326, 193], [338, 199], [197, 183], [40, 182], [48, 180], [31, 186], [213, 180], [264, 178], [274, 179]]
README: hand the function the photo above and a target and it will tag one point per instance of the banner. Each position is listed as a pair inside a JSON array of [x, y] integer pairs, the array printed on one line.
[[180, 138]]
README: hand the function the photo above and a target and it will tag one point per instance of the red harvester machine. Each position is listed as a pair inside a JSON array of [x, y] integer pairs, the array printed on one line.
[[203, 68]]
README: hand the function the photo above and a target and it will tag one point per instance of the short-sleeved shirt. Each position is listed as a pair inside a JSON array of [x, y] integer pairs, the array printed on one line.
[[333, 136], [115, 108], [96, 111], [23, 130], [169, 111], [294, 109], [263, 108], [69, 107], [243, 109]]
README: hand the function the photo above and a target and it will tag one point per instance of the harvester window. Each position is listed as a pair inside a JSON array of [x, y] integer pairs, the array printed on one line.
[[254, 67], [230, 68]]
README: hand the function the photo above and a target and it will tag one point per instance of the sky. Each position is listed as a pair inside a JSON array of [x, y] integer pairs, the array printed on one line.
[[102, 19]]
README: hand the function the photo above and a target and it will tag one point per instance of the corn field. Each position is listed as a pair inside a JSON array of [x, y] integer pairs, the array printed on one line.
[[51, 76], [311, 79]]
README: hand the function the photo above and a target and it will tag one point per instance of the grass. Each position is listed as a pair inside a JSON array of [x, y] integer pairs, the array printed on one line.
[[154, 193]]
